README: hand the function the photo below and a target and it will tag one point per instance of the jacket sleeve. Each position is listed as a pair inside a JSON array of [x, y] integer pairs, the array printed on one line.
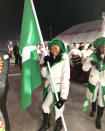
[[65, 78], [87, 65], [44, 72]]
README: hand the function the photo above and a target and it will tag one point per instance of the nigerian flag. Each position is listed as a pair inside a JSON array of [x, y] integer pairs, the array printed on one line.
[[30, 66]]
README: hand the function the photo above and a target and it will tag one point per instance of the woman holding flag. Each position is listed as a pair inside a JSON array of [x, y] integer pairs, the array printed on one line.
[[96, 85], [60, 67]]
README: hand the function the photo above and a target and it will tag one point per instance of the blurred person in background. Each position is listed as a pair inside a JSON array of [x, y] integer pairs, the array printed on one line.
[[75, 62], [10, 50], [90, 50], [80, 46], [83, 53], [16, 54]]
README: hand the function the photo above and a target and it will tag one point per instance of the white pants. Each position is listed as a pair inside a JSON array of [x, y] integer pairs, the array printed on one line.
[[47, 103], [98, 93]]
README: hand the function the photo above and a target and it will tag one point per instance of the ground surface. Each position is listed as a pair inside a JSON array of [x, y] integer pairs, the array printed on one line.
[[31, 118]]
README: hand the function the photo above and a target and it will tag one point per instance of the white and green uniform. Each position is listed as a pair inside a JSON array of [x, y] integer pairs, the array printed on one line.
[[96, 83], [61, 75]]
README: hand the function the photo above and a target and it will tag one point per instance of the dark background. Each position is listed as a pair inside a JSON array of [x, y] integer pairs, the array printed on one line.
[[56, 15]]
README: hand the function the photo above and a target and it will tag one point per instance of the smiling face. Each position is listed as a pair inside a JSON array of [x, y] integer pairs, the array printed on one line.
[[102, 49], [55, 50]]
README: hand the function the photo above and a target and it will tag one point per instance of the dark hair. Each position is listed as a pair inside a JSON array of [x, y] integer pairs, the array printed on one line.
[[74, 44], [98, 54], [57, 59], [81, 43], [90, 46], [82, 47]]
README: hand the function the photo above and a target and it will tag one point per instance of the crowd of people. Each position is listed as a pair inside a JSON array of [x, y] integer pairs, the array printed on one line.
[[77, 56]]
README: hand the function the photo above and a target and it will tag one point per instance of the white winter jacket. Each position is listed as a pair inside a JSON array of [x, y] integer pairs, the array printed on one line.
[[60, 74], [95, 75]]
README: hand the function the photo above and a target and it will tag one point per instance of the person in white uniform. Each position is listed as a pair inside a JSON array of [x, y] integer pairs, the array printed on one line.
[[75, 55], [75, 51], [90, 50], [96, 84], [83, 53], [60, 67]]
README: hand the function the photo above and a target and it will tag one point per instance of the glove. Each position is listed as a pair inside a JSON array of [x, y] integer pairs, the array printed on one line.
[[46, 58], [60, 103], [95, 64]]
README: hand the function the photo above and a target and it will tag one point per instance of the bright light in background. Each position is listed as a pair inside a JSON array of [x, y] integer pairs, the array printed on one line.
[[10, 42]]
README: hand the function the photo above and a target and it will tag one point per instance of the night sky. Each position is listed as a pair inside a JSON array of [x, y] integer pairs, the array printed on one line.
[[57, 14]]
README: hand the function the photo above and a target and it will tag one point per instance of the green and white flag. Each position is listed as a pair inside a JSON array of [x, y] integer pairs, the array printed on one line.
[[30, 66]]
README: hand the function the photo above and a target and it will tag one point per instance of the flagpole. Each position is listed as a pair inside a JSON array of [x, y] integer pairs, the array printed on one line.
[[38, 27], [62, 117], [42, 42]]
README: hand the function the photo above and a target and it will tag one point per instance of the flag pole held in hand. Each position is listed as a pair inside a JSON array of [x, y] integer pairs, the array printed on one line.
[[62, 117]]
